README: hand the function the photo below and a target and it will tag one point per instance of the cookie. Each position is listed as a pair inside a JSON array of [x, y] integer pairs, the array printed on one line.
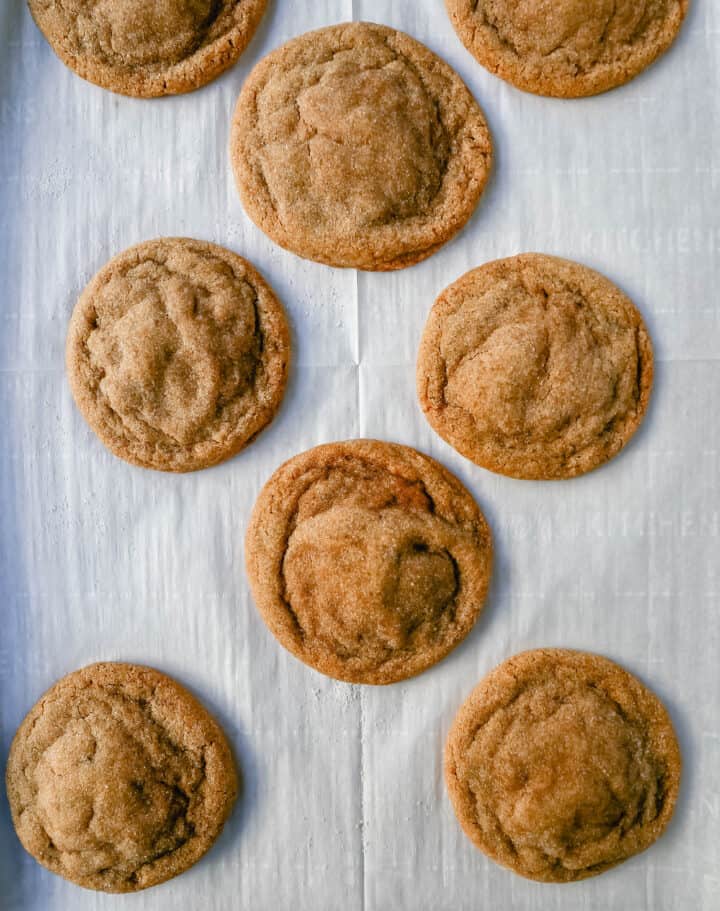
[[142, 48], [535, 367], [569, 48], [367, 560], [177, 354], [356, 146], [118, 779], [561, 765]]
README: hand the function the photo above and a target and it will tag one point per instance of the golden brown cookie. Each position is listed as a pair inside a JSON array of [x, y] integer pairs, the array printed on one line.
[[356, 146], [567, 48], [142, 48], [367, 560], [535, 367], [177, 354], [118, 779], [561, 765]]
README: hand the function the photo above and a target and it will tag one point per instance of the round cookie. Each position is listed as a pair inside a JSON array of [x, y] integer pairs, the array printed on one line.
[[177, 354], [356, 146], [569, 48], [367, 560], [535, 367], [118, 779], [561, 765], [146, 49]]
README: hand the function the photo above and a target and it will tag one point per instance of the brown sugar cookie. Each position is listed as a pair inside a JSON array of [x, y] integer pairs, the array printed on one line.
[[561, 765], [367, 560], [535, 367], [177, 354], [567, 48], [356, 146], [118, 779], [142, 48]]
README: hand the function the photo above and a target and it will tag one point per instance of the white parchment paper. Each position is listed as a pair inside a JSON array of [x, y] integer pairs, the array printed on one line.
[[344, 805]]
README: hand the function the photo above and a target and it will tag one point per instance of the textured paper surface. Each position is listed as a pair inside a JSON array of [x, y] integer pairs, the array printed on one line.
[[344, 805]]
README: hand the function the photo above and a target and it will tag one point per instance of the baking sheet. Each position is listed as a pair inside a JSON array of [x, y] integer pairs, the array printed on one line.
[[344, 804]]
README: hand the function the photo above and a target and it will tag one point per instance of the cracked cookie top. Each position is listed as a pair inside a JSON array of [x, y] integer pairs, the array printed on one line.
[[356, 146], [367, 560], [568, 48], [535, 367], [118, 779], [177, 354], [561, 765], [146, 49]]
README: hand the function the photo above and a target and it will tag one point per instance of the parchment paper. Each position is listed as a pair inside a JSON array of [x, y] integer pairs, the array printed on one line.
[[344, 805]]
